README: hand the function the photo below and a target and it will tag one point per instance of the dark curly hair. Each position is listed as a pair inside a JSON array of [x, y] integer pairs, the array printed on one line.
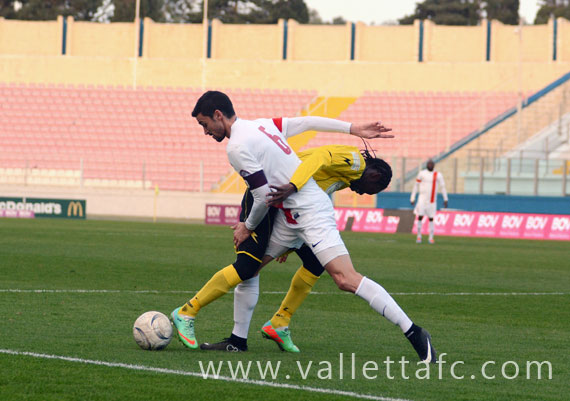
[[378, 165]]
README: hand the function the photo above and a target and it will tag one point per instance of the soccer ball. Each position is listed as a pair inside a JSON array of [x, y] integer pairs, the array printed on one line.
[[152, 331]]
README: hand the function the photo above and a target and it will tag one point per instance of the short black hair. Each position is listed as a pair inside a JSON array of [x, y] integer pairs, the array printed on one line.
[[212, 101], [381, 167]]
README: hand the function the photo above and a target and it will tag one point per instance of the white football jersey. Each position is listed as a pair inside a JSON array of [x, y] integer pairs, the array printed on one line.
[[261, 145], [429, 182]]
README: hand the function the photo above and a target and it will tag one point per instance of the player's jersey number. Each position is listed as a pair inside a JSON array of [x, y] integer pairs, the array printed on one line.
[[277, 139]]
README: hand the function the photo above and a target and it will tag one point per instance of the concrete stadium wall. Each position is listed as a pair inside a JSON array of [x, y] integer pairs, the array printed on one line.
[[318, 42], [381, 43], [535, 43], [115, 203], [172, 40], [328, 78], [318, 57], [304, 42], [563, 39], [31, 37], [247, 42], [91, 39], [455, 44]]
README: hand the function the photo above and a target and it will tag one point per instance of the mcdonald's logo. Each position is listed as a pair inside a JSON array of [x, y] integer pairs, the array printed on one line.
[[74, 209]]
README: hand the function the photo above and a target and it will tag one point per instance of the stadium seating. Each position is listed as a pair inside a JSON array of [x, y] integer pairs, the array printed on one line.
[[115, 136], [425, 123]]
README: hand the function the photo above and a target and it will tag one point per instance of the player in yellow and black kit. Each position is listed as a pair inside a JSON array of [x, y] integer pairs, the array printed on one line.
[[334, 167]]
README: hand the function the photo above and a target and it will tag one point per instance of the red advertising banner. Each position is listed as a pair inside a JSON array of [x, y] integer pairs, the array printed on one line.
[[368, 220], [500, 225], [453, 223], [222, 214]]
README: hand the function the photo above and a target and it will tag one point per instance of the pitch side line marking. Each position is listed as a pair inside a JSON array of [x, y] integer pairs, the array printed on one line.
[[80, 291], [196, 374]]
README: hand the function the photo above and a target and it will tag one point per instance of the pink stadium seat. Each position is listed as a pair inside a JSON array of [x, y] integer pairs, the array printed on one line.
[[116, 130]]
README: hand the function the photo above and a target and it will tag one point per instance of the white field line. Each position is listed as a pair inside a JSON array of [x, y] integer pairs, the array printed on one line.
[[197, 374], [85, 291]]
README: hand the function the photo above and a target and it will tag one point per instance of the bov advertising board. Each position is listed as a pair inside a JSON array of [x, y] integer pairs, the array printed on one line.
[[60, 208]]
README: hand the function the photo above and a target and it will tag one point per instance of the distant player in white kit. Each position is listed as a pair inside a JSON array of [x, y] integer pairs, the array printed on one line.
[[428, 182]]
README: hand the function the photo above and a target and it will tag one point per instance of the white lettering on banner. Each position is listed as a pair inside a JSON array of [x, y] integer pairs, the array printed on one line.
[[512, 221], [231, 211], [337, 214], [487, 220], [357, 214], [463, 220], [214, 211], [440, 219], [560, 224], [393, 219], [536, 223], [374, 217]]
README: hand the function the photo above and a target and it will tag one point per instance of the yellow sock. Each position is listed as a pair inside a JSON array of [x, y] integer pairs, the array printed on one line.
[[219, 284], [301, 285]]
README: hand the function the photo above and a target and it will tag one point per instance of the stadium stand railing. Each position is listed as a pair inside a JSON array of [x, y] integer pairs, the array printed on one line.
[[493, 159]]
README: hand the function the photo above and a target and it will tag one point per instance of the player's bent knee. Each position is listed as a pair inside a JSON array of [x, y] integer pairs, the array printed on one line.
[[246, 266], [344, 283]]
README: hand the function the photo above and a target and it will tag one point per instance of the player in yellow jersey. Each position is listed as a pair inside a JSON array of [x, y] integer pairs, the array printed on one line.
[[333, 167], [258, 150]]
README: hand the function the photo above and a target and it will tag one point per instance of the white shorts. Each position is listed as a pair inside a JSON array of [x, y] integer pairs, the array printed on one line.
[[316, 228], [425, 208]]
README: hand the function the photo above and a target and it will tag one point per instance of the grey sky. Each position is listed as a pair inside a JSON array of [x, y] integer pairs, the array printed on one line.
[[380, 11]]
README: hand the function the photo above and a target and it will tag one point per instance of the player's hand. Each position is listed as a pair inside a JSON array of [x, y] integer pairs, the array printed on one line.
[[370, 130], [412, 202], [279, 194], [283, 258], [445, 204], [241, 233]]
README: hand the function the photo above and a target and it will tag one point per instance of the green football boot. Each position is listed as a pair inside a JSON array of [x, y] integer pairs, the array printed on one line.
[[281, 336], [185, 329]]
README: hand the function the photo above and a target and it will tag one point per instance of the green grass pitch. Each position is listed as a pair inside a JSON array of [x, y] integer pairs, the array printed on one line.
[[481, 299]]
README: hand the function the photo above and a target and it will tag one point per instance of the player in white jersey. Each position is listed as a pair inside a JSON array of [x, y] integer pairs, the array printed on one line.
[[428, 182], [258, 150]]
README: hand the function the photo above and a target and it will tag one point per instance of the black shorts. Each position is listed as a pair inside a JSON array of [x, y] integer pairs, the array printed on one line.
[[251, 251], [310, 261]]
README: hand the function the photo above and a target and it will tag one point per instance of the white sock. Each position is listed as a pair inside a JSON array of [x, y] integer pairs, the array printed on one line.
[[383, 303], [431, 228], [246, 295], [419, 226]]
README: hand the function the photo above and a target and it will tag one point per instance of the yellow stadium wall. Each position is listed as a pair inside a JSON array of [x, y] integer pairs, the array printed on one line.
[[242, 42], [91, 39], [535, 44], [249, 56], [329, 79], [172, 40], [563, 39], [387, 43], [27, 37], [305, 42], [454, 43], [318, 42]]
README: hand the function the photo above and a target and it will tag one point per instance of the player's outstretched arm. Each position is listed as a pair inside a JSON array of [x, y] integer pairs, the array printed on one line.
[[297, 125], [370, 130]]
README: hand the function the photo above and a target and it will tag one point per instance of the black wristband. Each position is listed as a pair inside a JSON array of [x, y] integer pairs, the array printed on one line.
[[294, 186]]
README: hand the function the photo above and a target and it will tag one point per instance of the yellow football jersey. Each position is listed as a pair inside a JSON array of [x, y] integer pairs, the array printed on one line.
[[332, 166]]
